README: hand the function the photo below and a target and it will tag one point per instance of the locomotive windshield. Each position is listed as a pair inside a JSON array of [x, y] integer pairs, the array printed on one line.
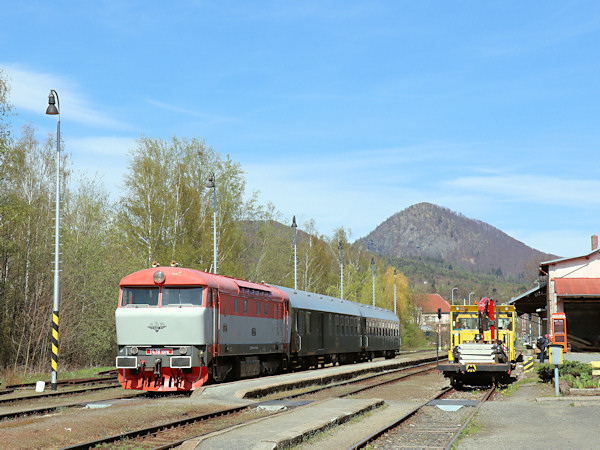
[[142, 296], [191, 296]]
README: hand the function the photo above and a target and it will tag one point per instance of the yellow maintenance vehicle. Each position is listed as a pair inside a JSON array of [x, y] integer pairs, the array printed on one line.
[[482, 344]]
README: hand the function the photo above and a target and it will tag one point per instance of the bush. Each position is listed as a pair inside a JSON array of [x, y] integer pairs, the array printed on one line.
[[545, 372], [570, 370]]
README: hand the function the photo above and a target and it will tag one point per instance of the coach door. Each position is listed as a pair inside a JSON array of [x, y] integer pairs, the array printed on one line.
[[321, 331]]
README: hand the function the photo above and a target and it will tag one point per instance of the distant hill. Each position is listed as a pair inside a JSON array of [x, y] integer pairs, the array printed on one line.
[[438, 234]]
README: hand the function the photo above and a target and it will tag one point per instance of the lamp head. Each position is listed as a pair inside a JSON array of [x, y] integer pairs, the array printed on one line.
[[294, 225], [211, 180], [52, 109]]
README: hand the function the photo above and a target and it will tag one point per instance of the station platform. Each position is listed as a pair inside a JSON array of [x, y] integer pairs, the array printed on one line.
[[286, 429], [248, 391]]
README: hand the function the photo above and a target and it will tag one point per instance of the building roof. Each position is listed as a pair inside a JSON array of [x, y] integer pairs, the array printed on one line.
[[577, 287], [429, 303], [544, 265]]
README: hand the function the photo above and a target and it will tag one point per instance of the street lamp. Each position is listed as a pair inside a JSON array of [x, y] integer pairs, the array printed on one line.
[[373, 267], [295, 227], [211, 185], [341, 247], [395, 273], [470, 293], [453, 294], [54, 110]]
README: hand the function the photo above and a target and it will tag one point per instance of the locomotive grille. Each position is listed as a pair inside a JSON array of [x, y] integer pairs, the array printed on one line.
[[126, 362], [182, 362]]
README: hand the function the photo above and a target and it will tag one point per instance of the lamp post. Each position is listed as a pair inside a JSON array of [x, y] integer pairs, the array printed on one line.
[[395, 273], [453, 294], [341, 247], [373, 267], [211, 185], [470, 293], [295, 227], [54, 110]]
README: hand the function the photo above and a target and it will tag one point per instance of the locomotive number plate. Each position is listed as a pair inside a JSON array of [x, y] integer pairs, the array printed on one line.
[[159, 351]]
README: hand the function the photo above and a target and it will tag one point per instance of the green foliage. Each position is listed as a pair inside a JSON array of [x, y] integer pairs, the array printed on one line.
[[545, 372], [412, 336], [584, 381], [573, 369]]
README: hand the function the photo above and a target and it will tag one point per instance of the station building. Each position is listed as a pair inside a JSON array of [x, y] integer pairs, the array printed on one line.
[[567, 302]]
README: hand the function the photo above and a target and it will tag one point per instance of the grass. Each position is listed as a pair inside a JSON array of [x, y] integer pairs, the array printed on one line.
[[473, 427]]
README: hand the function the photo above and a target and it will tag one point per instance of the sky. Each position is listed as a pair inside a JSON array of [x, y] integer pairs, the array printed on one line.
[[345, 112]]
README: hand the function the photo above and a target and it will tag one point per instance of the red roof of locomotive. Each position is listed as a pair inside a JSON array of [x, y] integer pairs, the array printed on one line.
[[181, 276]]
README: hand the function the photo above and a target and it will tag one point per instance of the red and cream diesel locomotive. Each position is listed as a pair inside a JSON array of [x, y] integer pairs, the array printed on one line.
[[178, 327]]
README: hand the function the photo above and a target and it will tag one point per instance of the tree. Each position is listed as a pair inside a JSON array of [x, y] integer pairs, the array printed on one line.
[[93, 265], [28, 194], [165, 212]]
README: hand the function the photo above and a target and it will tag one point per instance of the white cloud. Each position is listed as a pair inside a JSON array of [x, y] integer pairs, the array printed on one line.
[[29, 92], [533, 188], [105, 157], [191, 112], [102, 145]]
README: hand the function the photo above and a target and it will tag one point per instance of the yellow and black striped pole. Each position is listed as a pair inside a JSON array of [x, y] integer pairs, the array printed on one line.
[[55, 110], [54, 348]]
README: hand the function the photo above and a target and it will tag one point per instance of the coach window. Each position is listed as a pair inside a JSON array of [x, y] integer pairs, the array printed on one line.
[[307, 323], [137, 297], [245, 306]]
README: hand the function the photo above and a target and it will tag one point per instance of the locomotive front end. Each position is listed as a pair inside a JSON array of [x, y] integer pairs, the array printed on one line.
[[162, 331]]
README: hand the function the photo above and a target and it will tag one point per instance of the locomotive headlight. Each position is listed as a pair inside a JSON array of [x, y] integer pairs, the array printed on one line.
[[159, 277], [182, 350], [134, 350]]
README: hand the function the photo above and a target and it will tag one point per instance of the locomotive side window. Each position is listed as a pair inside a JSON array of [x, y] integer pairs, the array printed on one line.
[[258, 308], [307, 323], [143, 296], [182, 296], [266, 308], [235, 305], [245, 306]]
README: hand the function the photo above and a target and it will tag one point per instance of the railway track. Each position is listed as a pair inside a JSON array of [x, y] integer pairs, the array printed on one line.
[[112, 376], [36, 396], [173, 433], [404, 372], [421, 429]]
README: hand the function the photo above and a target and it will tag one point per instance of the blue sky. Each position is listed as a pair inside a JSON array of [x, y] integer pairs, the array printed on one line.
[[341, 111]]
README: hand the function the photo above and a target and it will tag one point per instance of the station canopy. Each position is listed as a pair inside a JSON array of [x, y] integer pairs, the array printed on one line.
[[529, 302]]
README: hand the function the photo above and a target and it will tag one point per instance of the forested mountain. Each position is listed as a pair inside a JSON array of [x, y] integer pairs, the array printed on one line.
[[429, 232]]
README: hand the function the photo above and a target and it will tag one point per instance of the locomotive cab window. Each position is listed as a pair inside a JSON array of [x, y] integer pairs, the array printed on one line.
[[137, 297], [191, 296]]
